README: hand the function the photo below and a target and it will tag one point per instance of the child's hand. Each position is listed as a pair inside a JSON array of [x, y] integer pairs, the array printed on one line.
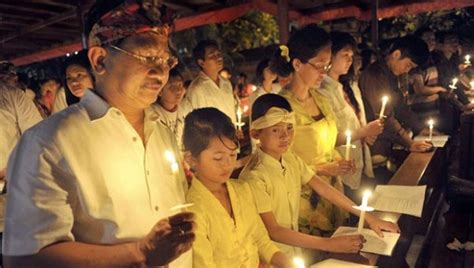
[[378, 225], [345, 244], [336, 168]]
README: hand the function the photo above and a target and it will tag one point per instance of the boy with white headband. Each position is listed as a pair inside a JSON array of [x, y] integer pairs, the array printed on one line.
[[276, 176]]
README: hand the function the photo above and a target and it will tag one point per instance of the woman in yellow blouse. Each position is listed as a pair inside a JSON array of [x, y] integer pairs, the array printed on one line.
[[229, 231], [307, 57]]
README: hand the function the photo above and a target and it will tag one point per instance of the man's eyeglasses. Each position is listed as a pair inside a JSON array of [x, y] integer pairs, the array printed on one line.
[[167, 63], [320, 68]]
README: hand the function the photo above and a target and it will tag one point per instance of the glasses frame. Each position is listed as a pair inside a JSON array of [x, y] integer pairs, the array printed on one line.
[[322, 68], [152, 60]]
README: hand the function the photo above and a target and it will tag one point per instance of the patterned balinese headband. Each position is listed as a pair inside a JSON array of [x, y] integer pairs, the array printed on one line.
[[272, 117], [130, 18]]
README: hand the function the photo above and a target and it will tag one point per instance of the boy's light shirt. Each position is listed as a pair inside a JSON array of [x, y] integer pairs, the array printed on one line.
[[276, 187], [225, 242]]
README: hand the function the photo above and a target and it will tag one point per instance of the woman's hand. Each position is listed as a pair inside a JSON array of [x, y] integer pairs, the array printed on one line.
[[378, 225], [373, 128], [345, 244]]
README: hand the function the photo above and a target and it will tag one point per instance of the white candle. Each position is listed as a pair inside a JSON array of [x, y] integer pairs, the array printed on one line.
[[384, 103], [363, 208], [467, 59], [348, 144], [298, 262], [430, 124], [174, 165], [453, 84], [239, 118]]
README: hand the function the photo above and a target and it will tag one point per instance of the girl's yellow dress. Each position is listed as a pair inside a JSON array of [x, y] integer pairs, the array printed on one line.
[[314, 142], [223, 241]]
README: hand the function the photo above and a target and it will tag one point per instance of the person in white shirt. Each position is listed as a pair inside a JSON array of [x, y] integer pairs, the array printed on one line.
[[95, 184], [171, 107], [209, 89], [347, 117], [17, 112]]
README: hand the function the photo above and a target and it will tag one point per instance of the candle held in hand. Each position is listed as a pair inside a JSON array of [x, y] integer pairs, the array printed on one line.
[[348, 144], [384, 103], [239, 118], [430, 124], [363, 208]]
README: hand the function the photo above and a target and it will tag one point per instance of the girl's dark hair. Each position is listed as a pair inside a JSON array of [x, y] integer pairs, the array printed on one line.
[[201, 125], [304, 44], [80, 59], [341, 40], [262, 65], [263, 103]]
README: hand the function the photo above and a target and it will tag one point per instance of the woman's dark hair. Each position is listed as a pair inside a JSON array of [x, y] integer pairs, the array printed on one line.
[[304, 44], [262, 65], [341, 40], [82, 60], [263, 103], [201, 125]]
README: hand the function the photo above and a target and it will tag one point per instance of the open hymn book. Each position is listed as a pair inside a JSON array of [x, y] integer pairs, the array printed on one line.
[[400, 199], [374, 243]]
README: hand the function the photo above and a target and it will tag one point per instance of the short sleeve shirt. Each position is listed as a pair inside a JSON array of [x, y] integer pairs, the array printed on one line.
[[85, 175]]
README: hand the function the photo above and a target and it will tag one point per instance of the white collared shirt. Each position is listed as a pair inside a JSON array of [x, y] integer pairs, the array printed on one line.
[[346, 118], [84, 175], [60, 102], [204, 92], [17, 114]]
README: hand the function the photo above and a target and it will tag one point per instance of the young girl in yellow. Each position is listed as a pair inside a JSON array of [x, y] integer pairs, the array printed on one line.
[[276, 176], [229, 232]]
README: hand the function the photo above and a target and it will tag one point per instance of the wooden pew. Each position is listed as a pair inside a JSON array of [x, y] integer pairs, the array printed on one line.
[[418, 168]]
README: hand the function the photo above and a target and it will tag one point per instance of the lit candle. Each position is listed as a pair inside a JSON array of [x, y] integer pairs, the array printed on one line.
[[453, 84], [384, 103], [174, 164], [298, 262], [239, 118], [363, 208], [246, 108], [430, 124], [467, 59], [471, 84], [348, 144]]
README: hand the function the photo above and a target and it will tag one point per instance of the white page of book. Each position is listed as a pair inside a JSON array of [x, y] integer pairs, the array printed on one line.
[[438, 141], [333, 263], [401, 199], [374, 243]]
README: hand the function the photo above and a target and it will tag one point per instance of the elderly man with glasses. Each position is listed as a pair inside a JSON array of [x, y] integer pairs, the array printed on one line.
[[94, 185]]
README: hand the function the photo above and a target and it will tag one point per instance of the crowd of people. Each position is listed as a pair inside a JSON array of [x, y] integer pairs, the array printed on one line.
[[95, 169]]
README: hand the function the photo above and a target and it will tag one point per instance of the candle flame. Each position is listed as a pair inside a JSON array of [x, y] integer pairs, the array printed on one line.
[[298, 262], [471, 84], [468, 58], [348, 133], [455, 81], [170, 156], [367, 193], [384, 99], [431, 122]]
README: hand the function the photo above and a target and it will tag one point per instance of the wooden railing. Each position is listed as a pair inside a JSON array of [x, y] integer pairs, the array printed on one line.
[[417, 169]]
